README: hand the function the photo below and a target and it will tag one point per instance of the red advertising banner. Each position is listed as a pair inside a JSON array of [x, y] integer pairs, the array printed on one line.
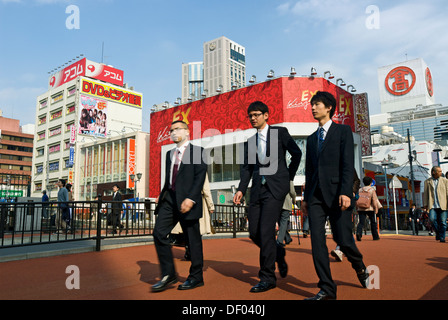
[[131, 163], [287, 99], [86, 68]]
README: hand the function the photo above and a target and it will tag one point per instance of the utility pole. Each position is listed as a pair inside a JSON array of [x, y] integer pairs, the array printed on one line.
[[412, 171]]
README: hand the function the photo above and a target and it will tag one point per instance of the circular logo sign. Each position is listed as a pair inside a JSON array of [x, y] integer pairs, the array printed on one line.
[[429, 84], [222, 199], [400, 81]]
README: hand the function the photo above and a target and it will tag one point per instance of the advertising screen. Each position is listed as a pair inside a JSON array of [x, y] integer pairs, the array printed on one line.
[[92, 116]]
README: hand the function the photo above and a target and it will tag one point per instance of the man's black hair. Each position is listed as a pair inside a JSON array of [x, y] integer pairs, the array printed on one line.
[[180, 121], [327, 99], [257, 106], [367, 181]]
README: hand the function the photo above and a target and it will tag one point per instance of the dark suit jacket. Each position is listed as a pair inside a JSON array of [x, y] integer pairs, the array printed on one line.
[[117, 207], [276, 171], [417, 214], [189, 180], [333, 168]]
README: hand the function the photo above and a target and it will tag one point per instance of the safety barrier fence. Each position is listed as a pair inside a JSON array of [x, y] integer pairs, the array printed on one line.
[[32, 223]]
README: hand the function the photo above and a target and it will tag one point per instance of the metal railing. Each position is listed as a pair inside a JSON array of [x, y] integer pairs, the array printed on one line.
[[33, 223]]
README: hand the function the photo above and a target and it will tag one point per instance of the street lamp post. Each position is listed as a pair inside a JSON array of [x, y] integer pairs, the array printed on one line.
[[384, 164], [135, 178]]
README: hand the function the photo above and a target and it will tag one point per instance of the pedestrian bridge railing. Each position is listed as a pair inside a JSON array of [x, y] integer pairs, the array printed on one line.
[[33, 223]]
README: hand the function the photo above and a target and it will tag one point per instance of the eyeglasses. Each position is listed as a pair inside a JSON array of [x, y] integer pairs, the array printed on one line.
[[254, 115], [177, 129]]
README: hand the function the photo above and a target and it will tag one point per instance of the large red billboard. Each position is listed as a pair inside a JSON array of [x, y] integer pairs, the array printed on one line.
[[287, 99], [86, 68]]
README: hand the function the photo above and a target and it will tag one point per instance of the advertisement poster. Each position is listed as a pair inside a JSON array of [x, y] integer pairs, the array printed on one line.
[[92, 116]]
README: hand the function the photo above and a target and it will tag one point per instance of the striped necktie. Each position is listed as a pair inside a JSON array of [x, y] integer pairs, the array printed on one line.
[[321, 139]]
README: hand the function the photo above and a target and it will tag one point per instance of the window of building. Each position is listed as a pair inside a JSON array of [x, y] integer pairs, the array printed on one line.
[[42, 120], [56, 115]]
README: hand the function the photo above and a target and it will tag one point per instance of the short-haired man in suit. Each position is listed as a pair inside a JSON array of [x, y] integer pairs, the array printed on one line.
[[265, 164], [180, 201], [329, 172], [117, 209]]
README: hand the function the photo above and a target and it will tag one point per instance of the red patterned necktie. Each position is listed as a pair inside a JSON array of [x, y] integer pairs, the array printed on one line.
[[175, 169]]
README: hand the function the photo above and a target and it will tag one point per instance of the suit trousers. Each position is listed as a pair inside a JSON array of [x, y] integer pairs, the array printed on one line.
[[263, 216], [167, 218], [341, 226]]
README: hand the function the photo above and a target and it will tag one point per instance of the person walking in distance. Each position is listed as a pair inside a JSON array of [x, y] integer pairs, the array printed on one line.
[[367, 205], [180, 201], [415, 217], [265, 164], [329, 180], [435, 200], [117, 209]]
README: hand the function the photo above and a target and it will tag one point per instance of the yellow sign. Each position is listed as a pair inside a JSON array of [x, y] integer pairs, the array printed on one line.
[[111, 93]]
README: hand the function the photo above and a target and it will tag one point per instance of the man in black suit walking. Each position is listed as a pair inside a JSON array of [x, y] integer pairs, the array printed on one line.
[[265, 164], [117, 209], [180, 201], [329, 191]]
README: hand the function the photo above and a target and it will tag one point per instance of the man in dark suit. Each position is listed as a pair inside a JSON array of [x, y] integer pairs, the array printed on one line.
[[329, 191], [117, 209], [180, 201], [415, 216], [265, 164]]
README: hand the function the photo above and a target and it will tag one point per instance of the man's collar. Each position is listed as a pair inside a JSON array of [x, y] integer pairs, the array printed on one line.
[[327, 125], [264, 131]]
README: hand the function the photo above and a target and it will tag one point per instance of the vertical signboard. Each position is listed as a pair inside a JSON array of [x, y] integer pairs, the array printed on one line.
[[130, 163], [362, 122]]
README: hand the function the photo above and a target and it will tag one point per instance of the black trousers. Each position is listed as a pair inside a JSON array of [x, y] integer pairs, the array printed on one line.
[[362, 221], [341, 226], [167, 218], [263, 216]]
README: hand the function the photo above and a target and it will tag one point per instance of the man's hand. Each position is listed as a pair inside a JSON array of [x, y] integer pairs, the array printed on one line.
[[186, 205], [237, 198], [344, 202], [304, 208]]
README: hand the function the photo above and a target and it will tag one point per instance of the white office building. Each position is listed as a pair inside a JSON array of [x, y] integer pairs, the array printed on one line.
[[224, 65]]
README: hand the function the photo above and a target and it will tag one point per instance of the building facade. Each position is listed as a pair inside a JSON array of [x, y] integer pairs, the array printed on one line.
[[79, 109], [220, 125], [16, 152], [405, 85], [224, 65], [192, 81]]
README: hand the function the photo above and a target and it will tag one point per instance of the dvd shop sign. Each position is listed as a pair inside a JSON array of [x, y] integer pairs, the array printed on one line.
[[112, 94]]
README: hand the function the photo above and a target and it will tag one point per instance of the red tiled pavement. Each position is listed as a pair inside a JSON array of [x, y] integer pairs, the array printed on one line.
[[410, 268]]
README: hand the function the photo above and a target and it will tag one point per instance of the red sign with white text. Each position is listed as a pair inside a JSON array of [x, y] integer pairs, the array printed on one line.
[[287, 99], [86, 68]]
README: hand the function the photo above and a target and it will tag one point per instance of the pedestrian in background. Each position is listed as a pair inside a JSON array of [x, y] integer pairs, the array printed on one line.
[[435, 200], [415, 215], [367, 205]]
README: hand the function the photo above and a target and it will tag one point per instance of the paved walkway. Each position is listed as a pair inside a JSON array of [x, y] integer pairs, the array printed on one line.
[[410, 268]]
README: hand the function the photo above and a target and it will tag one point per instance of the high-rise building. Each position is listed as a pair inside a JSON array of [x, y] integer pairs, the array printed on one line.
[[192, 81], [86, 102], [16, 152], [224, 65]]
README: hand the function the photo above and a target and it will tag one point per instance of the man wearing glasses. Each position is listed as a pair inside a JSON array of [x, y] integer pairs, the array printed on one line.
[[265, 164], [180, 201]]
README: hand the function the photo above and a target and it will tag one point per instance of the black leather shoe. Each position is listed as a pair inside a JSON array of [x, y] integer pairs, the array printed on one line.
[[262, 287], [164, 283], [190, 284], [363, 277], [322, 295]]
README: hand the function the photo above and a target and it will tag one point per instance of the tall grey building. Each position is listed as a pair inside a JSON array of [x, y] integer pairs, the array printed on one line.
[[224, 65], [192, 81]]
